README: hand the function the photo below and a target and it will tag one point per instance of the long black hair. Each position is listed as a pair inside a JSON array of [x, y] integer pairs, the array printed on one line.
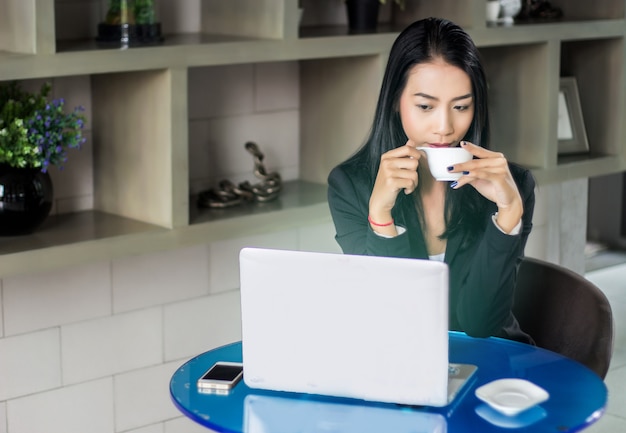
[[421, 42]]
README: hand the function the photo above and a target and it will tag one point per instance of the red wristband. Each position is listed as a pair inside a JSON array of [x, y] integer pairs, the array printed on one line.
[[369, 218]]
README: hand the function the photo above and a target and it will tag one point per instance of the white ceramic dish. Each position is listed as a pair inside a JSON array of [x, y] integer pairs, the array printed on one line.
[[511, 396]]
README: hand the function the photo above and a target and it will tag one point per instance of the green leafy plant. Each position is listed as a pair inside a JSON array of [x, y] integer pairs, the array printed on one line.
[[36, 132], [130, 12], [144, 11]]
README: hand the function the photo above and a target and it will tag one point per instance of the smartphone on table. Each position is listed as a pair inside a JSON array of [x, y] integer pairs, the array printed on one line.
[[221, 377]]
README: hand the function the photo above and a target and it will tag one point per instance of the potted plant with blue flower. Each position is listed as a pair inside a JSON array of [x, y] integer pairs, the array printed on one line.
[[35, 134]]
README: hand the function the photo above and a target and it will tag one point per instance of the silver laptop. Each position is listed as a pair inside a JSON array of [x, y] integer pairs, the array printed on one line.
[[371, 328]]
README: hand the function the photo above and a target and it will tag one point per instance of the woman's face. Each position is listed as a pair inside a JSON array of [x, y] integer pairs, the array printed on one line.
[[437, 104]]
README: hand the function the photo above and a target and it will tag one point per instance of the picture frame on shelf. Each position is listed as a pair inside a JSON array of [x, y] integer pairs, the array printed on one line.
[[571, 131]]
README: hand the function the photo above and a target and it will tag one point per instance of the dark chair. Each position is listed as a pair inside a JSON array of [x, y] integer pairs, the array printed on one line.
[[565, 313]]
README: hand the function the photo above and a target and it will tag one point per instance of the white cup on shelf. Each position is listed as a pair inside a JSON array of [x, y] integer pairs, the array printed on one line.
[[493, 10]]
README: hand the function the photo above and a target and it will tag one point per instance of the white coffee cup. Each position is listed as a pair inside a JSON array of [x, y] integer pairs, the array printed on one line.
[[440, 158]]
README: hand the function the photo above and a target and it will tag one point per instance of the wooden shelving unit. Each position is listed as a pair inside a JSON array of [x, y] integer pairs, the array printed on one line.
[[338, 72]]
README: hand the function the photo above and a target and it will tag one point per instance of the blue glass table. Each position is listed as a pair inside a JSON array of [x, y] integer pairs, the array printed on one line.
[[578, 398]]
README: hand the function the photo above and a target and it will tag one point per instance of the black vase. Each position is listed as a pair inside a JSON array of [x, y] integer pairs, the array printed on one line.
[[25, 199], [362, 15]]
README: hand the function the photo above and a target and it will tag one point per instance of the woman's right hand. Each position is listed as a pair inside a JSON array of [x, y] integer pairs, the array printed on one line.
[[397, 172]]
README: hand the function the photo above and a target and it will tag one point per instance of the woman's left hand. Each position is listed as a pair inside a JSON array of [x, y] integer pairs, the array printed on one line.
[[489, 174]]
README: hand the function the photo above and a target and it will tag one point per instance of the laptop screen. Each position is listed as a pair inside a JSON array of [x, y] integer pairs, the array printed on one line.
[[373, 328]]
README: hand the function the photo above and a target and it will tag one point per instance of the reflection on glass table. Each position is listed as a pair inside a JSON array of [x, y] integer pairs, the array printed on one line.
[[577, 398]]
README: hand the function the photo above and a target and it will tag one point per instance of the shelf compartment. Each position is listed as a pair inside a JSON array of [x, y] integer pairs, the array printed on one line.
[[78, 57], [274, 19], [599, 10], [177, 41], [520, 129], [140, 145], [601, 100], [84, 237], [71, 239], [332, 13], [528, 33], [571, 167], [338, 99], [294, 195], [75, 23], [52, 26], [26, 27], [467, 14], [71, 228]]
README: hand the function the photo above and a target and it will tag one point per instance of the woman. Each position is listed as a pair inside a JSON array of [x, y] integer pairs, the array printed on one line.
[[385, 202]]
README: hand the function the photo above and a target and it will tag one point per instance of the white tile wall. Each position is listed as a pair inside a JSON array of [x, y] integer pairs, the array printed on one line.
[[221, 91], [149, 280], [275, 86], [231, 105], [276, 133], [608, 424], [29, 363], [142, 397], [185, 425], [155, 428], [87, 407], [221, 153], [224, 264], [102, 347], [617, 398], [319, 238], [195, 326], [49, 299], [3, 417]]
